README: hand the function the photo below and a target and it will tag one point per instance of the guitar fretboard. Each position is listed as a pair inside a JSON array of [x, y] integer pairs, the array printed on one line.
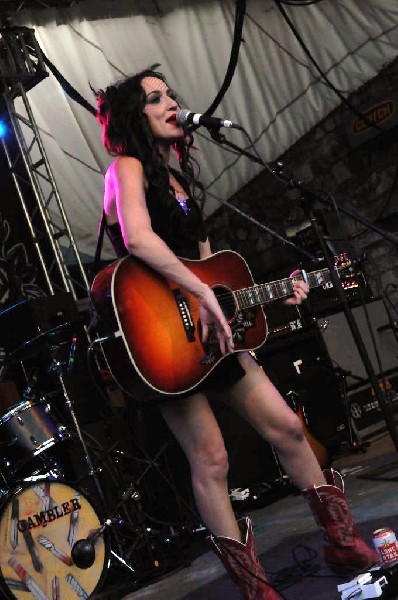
[[268, 292]]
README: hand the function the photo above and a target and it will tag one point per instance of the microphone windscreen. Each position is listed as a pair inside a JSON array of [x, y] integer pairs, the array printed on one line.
[[182, 116]]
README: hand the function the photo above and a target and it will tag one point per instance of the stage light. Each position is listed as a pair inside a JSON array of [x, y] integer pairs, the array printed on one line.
[[3, 129]]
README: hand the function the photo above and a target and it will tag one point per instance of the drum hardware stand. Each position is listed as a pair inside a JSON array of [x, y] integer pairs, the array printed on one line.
[[133, 493], [57, 368], [142, 528], [151, 462], [83, 551], [3, 481], [136, 520]]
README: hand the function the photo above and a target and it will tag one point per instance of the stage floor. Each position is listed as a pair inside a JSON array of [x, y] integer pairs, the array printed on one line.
[[285, 532]]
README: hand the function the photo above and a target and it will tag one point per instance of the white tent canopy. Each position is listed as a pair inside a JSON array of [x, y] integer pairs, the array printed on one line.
[[276, 93]]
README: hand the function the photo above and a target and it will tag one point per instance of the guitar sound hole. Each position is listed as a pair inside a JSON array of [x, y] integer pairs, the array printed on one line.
[[226, 301]]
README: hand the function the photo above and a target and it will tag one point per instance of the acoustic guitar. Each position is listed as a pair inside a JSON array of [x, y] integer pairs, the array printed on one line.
[[156, 334]]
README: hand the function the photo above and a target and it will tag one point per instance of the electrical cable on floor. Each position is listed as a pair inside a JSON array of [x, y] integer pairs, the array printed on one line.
[[304, 567]]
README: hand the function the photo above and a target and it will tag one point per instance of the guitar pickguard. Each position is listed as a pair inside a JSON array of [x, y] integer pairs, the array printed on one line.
[[244, 320]]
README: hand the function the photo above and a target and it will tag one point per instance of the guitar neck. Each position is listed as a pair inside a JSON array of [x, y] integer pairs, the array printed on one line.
[[264, 293]]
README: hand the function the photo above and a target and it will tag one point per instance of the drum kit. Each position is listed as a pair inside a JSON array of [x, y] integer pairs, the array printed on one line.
[[54, 545]]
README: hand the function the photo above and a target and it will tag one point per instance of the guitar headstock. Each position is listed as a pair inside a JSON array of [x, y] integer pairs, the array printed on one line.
[[350, 276], [342, 261]]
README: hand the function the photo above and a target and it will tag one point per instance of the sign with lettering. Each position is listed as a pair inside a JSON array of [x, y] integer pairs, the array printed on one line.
[[380, 114]]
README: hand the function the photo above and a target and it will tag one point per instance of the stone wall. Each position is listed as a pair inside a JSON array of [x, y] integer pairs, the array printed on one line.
[[362, 178]]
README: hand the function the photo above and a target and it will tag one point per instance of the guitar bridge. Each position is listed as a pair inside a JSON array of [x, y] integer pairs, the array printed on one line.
[[185, 314]]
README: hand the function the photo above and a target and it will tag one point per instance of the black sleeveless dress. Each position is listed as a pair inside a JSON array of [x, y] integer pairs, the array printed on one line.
[[180, 224]]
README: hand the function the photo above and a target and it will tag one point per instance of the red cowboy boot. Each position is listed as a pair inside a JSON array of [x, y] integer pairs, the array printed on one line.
[[241, 562], [344, 551]]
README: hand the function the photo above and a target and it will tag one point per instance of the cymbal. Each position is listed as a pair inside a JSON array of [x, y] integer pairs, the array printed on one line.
[[37, 343]]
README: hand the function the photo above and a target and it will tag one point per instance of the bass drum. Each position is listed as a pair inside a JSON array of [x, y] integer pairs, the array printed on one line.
[[39, 524]]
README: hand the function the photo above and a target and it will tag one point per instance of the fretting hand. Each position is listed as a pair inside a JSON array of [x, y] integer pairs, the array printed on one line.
[[300, 290]]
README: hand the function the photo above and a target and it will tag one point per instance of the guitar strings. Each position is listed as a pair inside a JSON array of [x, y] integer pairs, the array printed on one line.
[[280, 283], [230, 295]]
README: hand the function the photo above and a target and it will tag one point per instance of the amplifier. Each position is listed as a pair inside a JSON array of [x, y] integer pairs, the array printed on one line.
[[284, 319], [325, 300], [300, 362], [366, 414]]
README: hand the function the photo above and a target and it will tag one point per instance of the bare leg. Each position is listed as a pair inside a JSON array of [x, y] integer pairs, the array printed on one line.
[[193, 423], [257, 400]]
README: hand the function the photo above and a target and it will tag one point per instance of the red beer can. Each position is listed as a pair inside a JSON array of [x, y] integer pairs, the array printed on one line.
[[385, 542]]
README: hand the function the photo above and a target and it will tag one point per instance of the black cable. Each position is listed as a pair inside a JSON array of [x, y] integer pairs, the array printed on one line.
[[238, 156], [272, 168], [303, 568], [234, 162], [233, 60], [239, 20], [275, 172], [68, 88], [323, 75], [300, 2]]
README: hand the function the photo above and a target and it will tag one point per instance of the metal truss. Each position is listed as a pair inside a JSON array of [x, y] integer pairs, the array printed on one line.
[[22, 67]]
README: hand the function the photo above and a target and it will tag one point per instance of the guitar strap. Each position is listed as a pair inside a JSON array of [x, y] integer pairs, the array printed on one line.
[[100, 241], [95, 320]]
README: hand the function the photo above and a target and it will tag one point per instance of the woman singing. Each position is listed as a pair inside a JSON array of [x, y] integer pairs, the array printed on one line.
[[153, 212]]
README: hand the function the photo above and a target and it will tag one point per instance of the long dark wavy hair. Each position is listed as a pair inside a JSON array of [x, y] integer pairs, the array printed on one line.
[[126, 131]]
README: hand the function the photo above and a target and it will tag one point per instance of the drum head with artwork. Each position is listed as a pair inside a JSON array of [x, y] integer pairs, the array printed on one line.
[[39, 525]]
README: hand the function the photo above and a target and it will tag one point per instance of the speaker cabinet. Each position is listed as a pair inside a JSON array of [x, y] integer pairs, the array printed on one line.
[[367, 416], [379, 340], [300, 363]]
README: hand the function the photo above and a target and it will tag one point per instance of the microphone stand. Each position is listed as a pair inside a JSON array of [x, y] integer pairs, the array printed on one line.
[[308, 200], [83, 551]]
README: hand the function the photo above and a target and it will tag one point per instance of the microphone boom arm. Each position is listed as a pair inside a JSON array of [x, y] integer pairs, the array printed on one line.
[[308, 200]]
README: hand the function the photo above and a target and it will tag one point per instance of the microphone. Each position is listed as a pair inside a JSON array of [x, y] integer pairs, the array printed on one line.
[[83, 551], [186, 117]]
